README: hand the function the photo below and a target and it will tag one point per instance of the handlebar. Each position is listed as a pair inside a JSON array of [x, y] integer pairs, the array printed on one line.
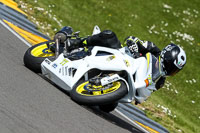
[[76, 34], [67, 43]]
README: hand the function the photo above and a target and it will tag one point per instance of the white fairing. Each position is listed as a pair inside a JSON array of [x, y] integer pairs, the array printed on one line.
[[66, 73]]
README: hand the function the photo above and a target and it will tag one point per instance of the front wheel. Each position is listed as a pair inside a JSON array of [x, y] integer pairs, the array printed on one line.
[[100, 95], [35, 55]]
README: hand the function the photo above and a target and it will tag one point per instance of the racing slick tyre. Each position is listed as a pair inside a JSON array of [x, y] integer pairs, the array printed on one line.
[[102, 97], [35, 55]]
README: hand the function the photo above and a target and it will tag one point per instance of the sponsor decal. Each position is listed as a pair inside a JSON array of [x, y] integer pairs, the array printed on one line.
[[64, 62], [54, 65], [113, 79], [60, 70], [108, 80], [127, 63], [47, 61], [110, 58]]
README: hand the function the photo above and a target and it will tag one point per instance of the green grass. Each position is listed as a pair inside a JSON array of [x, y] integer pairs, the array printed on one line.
[[149, 20]]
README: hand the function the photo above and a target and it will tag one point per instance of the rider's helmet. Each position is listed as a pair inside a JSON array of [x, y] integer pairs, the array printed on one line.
[[173, 59]]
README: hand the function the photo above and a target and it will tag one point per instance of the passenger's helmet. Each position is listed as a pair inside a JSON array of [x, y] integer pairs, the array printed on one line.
[[173, 59]]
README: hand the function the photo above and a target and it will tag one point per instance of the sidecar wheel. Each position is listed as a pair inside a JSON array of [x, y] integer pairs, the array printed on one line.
[[35, 55], [109, 96]]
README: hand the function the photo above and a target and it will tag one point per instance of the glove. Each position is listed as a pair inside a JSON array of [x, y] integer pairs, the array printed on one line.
[[133, 47]]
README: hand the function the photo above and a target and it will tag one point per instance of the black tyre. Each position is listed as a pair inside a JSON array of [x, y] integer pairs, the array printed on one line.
[[35, 55], [111, 95], [108, 107]]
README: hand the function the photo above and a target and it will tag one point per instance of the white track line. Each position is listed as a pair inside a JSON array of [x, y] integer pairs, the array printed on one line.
[[132, 122], [16, 34]]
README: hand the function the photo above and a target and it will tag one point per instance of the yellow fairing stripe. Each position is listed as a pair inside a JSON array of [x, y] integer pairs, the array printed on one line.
[[30, 37], [147, 128], [12, 5], [148, 59]]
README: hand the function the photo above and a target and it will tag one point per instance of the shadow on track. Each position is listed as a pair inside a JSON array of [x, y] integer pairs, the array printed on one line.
[[113, 119]]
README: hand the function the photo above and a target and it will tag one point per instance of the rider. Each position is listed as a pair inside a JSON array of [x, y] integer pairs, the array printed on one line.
[[172, 57]]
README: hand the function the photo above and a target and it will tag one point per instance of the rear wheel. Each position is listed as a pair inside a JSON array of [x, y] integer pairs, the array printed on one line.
[[101, 95], [35, 55]]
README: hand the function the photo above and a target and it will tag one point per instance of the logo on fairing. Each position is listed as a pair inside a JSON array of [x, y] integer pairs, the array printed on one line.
[[54, 65], [113, 79], [127, 63], [110, 58], [64, 62], [47, 61]]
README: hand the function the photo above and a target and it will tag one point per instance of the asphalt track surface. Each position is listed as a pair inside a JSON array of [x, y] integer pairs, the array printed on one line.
[[30, 104]]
